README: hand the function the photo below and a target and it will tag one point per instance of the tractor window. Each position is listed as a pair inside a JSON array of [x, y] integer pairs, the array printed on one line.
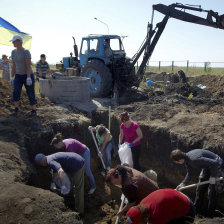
[[84, 47], [94, 45], [115, 45]]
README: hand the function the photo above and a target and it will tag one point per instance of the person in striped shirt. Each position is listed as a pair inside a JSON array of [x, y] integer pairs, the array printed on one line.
[[42, 67], [73, 145]]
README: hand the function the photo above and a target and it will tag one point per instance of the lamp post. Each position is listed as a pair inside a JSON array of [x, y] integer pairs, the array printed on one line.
[[103, 23]]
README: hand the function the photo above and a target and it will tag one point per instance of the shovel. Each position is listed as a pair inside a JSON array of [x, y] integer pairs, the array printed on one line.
[[97, 148], [121, 206], [198, 184]]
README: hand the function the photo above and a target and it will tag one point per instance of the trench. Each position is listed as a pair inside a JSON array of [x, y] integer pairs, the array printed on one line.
[[102, 206]]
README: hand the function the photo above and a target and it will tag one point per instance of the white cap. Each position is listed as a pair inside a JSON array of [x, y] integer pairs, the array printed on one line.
[[17, 37]]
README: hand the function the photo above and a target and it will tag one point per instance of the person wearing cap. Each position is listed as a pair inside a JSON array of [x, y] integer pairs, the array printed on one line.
[[161, 207], [22, 74], [134, 185], [209, 164], [4, 65], [73, 145], [132, 133], [73, 165], [42, 67]]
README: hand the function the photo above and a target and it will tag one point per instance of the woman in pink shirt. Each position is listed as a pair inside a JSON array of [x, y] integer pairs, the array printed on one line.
[[132, 133], [73, 145]]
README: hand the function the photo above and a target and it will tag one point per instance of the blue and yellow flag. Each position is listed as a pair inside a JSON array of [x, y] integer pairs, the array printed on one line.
[[7, 31]]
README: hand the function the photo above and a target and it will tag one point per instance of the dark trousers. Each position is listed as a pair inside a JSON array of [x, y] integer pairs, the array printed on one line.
[[19, 81], [200, 194], [186, 219], [136, 150]]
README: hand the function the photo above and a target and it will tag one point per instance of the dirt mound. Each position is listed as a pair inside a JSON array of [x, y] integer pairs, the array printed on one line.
[[214, 84], [6, 104], [168, 120], [171, 84]]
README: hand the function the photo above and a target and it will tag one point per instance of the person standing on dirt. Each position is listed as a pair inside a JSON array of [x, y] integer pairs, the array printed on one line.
[[4, 65], [106, 143], [132, 133], [22, 74], [42, 67], [161, 207], [73, 145], [71, 164], [134, 185], [209, 164]]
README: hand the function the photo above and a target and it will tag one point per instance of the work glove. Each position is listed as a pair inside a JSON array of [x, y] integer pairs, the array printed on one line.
[[64, 190], [53, 186], [100, 155], [130, 144], [179, 186], [12, 81], [212, 180], [90, 128], [28, 81]]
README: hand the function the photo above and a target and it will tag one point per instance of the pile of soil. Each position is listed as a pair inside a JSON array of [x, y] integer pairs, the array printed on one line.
[[170, 84], [6, 104]]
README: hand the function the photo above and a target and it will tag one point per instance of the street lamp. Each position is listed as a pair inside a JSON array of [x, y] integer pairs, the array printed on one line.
[[103, 23]]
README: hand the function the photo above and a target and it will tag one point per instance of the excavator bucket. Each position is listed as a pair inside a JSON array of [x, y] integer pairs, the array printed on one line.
[[184, 16]]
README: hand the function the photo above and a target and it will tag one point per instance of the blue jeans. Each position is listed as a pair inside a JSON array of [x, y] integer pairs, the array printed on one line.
[[88, 171], [19, 81], [107, 154]]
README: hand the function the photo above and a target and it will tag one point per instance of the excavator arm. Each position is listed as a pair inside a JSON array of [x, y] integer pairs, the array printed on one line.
[[176, 11]]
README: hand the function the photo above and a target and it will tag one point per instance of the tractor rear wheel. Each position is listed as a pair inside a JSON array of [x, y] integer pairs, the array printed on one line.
[[100, 78]]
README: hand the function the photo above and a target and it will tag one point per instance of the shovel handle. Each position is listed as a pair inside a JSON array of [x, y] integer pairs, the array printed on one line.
[[198, 184], [121, 206]]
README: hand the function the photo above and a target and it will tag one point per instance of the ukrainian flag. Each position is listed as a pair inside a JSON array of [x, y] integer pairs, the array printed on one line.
[[7, 31]]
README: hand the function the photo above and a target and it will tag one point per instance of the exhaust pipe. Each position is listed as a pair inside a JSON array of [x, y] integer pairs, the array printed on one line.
[[75, 49]]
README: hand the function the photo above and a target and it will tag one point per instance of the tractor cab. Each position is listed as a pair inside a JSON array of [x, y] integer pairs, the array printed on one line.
[[101, 47]]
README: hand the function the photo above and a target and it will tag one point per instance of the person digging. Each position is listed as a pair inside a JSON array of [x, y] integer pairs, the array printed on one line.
[[73, 145], [210, 165], [134, 185], [164, 206], [71, 164]]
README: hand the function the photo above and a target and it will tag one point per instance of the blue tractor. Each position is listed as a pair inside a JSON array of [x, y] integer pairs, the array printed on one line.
[[104, 61]]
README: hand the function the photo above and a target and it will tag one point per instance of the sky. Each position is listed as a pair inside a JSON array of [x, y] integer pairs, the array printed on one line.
[[52, 23]]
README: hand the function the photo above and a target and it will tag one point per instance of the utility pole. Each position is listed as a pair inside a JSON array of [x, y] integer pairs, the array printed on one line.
[[103, 23]]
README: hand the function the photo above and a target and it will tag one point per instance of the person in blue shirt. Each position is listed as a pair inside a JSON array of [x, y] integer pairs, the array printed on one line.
[[74, 166]]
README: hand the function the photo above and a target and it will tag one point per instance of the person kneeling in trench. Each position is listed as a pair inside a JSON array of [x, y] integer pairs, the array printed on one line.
[[134, 185], [210, 165], [161, 207], [72, 164]]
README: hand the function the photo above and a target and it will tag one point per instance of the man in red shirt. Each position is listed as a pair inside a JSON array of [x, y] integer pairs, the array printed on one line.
[[161, 207]]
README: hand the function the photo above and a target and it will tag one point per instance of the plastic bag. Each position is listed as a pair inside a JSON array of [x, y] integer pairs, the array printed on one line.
[[125, 154], [67, 183]]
